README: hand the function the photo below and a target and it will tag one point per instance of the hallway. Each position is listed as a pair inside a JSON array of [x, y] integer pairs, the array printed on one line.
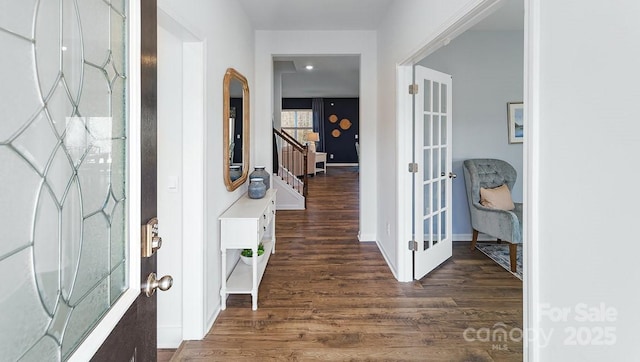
[[325, 296]]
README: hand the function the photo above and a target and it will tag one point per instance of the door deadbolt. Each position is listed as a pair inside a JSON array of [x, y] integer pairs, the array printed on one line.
[[151, 241], [153, 283]]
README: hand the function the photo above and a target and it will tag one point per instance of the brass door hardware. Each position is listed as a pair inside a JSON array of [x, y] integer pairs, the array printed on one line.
[[150, 239], [153, 283]]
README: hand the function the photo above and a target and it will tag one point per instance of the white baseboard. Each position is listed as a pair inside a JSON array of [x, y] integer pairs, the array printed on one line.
[[289, 207], [169, 336], [386, 259], [212, 320], [468, 237], [341, 164], [366, 237]]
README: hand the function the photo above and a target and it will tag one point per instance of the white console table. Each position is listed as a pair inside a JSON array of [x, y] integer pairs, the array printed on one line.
[[243, 226]]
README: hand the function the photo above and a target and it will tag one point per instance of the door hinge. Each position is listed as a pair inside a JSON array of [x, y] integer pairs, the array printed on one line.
[[413, 245], [413, 88], [413, 167]]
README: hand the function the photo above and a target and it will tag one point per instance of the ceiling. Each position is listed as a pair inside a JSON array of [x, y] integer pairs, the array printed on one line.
[[339, 76], [335, 76], [315, 14], [352, 14]]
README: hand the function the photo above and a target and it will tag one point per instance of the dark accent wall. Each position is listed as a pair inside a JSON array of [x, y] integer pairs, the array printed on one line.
[[296, 103], [343, 148]]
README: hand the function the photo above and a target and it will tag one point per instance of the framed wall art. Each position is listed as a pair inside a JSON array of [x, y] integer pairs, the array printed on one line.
[[515, 121]]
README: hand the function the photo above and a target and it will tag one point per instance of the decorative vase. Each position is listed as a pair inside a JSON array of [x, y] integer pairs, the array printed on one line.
[[257, 188], [249, 259], [260, 172], [234, 172]]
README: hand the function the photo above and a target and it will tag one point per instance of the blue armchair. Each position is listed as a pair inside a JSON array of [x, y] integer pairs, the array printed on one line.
[[502, 224]]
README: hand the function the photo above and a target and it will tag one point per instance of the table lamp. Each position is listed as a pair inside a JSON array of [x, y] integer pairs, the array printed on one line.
[[312, 138]]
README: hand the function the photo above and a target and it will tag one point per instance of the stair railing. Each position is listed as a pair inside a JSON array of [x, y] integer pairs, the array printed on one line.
[[292, 161]]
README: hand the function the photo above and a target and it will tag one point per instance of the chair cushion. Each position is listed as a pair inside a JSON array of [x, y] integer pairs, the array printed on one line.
[[497, 198]]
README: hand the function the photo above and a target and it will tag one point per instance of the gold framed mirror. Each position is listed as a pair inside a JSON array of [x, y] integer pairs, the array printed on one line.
[[236, 127]]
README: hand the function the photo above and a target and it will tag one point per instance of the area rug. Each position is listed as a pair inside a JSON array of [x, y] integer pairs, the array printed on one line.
[[500, 254]]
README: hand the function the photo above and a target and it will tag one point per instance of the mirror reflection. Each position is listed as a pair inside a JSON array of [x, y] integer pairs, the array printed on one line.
[[235, 123], [236, 129]]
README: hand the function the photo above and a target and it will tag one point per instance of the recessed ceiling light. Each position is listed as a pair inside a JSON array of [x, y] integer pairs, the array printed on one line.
[[309, 67]]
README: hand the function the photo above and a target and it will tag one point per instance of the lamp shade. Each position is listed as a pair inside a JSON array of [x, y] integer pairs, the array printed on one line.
[[313, 136]]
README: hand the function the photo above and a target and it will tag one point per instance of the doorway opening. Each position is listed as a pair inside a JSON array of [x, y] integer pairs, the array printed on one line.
[[486, 63], [484, 52], [316, 104]]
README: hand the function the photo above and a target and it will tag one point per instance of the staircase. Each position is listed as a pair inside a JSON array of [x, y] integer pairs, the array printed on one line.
[[291, 175]]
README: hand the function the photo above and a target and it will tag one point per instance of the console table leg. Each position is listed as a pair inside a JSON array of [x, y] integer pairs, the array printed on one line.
[[223, 288], [254, 300]]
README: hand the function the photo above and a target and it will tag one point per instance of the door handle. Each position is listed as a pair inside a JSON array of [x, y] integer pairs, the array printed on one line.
[[452, 175], [153, 283]]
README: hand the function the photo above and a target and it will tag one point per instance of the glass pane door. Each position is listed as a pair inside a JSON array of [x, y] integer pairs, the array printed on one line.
[[434, 151], [432, 197]]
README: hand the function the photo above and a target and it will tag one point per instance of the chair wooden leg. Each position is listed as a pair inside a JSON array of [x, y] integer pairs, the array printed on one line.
[[513, 252], [474, 239]]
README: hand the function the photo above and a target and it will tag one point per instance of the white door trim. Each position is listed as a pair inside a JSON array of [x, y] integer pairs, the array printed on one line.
[[463, 20], [531, 151], [100, 333], [404, 143], [194, 162]]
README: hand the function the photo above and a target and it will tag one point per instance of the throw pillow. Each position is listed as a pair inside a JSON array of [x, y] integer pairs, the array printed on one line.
[[497, 198]]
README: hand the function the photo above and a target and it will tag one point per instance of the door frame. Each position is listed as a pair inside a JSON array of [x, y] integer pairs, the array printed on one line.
[[467, 17], [194, 161], [324, 43], [103, 329]]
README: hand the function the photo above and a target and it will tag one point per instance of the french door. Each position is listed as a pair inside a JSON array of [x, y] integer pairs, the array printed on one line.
[[432, 180]]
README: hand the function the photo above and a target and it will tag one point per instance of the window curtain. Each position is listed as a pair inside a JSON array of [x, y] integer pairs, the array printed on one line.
[[317, 107]]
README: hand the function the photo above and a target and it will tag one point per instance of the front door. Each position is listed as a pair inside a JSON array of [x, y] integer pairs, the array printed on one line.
[[135, 337], [432, 179], [68, 251]]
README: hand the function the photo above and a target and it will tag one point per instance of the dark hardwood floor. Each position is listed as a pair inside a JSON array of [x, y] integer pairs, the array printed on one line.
[[326, 296], [165, 354]]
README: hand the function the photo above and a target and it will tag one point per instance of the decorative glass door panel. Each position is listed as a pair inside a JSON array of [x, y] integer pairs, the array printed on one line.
[[63, 151], [432, 196]]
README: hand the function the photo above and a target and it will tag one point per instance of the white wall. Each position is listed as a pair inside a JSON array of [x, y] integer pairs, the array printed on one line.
[[363, 43], [586, 144], [487, 71], [407, 27], [170, 174], [229, 42]]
